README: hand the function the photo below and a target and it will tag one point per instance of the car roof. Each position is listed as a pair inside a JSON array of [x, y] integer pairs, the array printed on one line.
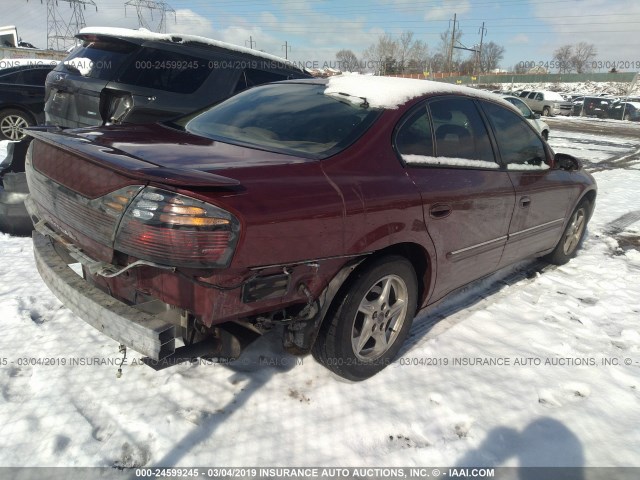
[[391, 92], [142, 35]]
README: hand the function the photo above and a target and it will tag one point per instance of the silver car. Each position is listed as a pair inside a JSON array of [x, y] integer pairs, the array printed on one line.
[[532, 118]]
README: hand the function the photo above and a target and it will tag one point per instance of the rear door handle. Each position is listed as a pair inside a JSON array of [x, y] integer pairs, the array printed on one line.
[[440, 211], [525, 202]]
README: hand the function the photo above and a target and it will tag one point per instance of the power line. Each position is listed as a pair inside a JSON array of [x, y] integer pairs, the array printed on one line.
[[61, 28], [150, 6]]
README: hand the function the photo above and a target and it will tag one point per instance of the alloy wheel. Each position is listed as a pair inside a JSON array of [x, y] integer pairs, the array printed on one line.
[[379, 319], [574, 231], [12, 127]]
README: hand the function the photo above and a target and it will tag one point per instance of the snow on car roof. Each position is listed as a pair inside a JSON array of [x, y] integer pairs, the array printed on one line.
[[391, 92], [144, 34]]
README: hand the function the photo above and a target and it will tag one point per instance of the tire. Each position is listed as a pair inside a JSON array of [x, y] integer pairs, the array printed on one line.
[[627, 117], [572, 236], [369, 320], [545, 134], [11, 124], [545, 112]]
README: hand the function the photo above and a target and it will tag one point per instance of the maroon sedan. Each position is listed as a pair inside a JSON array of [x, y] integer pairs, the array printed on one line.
[[333, 210]]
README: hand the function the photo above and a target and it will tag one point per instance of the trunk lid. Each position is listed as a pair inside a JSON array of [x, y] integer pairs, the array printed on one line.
[[73, 174]]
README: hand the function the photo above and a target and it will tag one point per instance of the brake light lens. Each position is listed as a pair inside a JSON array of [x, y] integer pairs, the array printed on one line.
[[177, 230]]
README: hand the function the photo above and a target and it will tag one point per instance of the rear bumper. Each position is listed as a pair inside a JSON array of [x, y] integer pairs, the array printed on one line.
[[148, 334], [561, 111]]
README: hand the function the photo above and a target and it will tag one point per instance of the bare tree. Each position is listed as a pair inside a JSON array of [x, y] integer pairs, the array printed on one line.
[[381, 51], [404, 55], [519, 68], [562, 57], [438, 63], [348, 61], [490, 57], [446, 47], [583, 54], [467, 66], [418, 57], [405, 43]]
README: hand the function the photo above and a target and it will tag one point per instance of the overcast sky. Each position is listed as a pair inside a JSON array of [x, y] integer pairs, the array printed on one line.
[[530, 30]]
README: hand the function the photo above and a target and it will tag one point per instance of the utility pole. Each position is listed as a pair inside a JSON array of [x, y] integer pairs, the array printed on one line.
[[453, 39], [482, 31], [287, 48], [251, 42]]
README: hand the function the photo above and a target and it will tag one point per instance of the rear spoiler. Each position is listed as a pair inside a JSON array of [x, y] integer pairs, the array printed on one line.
[[126, 164]]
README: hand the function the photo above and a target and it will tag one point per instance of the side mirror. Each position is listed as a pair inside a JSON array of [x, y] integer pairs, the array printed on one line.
[[567, 162], [536, 116]]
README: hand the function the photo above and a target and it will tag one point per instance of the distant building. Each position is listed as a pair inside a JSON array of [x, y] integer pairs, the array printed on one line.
[[539, 70]]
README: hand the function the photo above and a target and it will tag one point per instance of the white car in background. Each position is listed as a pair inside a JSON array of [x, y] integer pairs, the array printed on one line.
[[532, 118]]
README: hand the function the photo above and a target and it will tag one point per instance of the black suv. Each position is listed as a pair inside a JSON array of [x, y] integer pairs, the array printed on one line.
[[21, 98], [593, 107], [119, 75]]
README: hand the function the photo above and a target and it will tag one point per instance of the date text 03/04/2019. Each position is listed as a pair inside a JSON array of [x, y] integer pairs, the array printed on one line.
[[515, 361], [321, 473], [568, 66]]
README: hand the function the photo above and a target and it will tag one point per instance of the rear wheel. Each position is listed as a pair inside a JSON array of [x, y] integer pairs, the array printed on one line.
[[12, 123], [370, 319], [572, 235]]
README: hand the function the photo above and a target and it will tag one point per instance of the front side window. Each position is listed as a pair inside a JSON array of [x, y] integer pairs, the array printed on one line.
[[520, 105], [520, 147], [296, 119], [460, 132]]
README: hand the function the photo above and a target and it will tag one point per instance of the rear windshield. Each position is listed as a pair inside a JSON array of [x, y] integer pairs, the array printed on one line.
[[293, 118], [165, 70], [97, 59]]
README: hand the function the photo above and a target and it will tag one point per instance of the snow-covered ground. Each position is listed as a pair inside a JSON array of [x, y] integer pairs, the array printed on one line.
[[3, 149], [582, 145], [583, 88], [533, 366]]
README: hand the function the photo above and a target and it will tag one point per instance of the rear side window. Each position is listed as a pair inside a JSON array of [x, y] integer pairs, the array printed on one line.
[[36, 76], [520, 147], [15, 77], [414, 135], [97, 59], [251, 77], [164, 70]]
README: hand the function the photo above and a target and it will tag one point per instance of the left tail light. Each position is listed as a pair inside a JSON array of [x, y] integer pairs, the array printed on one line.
[[177, 230]]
